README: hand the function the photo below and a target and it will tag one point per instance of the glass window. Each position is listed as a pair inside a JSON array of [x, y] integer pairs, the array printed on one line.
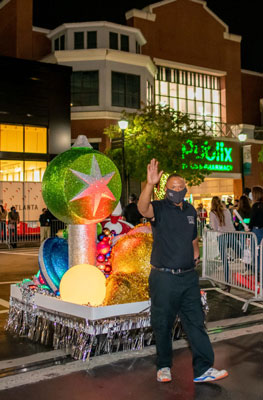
[[114, 41], [208, 109], [182, 91], [164, 100], [216, 96], [125, 90], [11, 171], [35, 139], [173, 103], [216, 110], [182, 106], [11, 138], [164, 88], [173, 89], [207, 94], [78, 40], [191, 92], [85, 88], [56, 45], [149, 93], [199, 94], [92, 40], [156, 87], [199, 108], [62, 42], [191, 107], [124, 43], [138, 48], [34, 171]]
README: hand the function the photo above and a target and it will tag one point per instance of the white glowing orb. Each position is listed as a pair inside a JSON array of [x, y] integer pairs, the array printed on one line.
[[83, 284]]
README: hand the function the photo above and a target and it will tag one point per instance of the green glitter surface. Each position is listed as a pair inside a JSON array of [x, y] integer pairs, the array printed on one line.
[[60, 185]]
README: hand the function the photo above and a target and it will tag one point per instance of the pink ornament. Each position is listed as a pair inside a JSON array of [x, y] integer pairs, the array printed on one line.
[[103, 248], [101, 258]]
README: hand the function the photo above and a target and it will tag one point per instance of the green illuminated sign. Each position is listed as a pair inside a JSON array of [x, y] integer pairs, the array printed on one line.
[[218, 160]]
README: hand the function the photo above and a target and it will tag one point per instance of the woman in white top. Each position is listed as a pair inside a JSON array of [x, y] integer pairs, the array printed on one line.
[[221, 221]]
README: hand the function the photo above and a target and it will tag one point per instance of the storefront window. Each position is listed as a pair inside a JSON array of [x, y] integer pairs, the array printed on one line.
[[189, 92], [20, 171], [11, 171], [34, 171], [35, 139], [11, 138]]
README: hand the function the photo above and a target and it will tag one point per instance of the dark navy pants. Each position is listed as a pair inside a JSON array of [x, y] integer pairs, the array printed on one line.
[[179, 294]]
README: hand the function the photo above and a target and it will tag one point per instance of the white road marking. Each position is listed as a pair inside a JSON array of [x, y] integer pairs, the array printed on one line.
[[4, 311], [9, 283], [4, 303], [21, 253]]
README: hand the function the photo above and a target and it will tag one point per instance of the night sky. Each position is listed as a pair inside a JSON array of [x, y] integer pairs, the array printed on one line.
[[244, 17]]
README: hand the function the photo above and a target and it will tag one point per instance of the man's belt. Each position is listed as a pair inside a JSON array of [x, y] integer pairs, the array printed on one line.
[[173, 271]]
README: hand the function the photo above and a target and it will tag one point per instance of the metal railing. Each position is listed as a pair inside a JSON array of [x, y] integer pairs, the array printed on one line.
[[234, 259], [12, 234]]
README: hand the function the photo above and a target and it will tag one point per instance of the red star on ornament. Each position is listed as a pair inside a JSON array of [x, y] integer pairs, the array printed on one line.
[[95, 185]]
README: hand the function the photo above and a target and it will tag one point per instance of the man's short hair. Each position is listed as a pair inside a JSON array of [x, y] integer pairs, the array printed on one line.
[[132, 197], [174, 175]]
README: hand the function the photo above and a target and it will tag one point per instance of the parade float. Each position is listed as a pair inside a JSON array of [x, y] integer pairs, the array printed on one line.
[[90, 295]]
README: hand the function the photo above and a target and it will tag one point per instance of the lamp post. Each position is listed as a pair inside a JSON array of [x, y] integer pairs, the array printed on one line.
[[123, 124], [242, 137]]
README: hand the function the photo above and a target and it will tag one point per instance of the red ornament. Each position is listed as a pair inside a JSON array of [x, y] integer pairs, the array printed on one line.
[[107, 268], [103, 248]]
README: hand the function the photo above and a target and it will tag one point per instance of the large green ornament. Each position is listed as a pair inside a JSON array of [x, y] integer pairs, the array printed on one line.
[[81, 186]]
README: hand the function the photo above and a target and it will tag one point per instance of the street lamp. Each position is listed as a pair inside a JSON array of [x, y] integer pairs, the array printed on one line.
[[242, 137], [123, 124]]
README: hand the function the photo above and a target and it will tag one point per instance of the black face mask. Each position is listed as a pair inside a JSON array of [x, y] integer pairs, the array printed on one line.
[[176, 197]]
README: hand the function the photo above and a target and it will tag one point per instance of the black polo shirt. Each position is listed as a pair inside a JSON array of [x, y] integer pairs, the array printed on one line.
[[174, 229]]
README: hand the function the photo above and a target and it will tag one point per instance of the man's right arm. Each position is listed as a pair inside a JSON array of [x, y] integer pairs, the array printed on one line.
[[144, 204]]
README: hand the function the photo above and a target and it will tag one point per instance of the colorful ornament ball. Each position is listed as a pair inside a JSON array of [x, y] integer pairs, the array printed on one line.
[[132, 253], [81, 186]]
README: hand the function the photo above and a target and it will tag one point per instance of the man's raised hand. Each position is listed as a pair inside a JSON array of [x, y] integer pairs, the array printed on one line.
[[153, 176]]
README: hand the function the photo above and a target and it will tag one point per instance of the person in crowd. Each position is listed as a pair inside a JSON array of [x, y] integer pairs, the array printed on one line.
[[244, 210], [236, 204], [173, 281], [248, 193], [229, 203], [256, 220], [130, 212], [3, 216], [201, 214], [221, 221], [223, 204], [13, 221], [44, 225]]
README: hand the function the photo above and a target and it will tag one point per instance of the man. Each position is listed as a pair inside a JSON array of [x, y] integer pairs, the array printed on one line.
[[130, 212], [13, 221], [174, 284], [44, 225]]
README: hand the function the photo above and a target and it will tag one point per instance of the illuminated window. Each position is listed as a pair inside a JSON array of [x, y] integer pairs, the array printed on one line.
[[189, 92], [19, 171], [11, 171], [11, 138], [35, 139], [34, 171]]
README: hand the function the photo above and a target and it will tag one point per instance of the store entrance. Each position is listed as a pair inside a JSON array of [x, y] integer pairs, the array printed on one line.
[[221, 187]]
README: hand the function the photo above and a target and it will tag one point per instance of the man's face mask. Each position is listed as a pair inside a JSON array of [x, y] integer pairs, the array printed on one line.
[[176, 197]]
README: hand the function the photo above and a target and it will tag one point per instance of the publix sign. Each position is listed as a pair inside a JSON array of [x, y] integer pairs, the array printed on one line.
[[219, 160]]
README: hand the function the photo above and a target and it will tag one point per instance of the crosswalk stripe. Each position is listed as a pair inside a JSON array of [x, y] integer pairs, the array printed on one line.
[[4, 303]]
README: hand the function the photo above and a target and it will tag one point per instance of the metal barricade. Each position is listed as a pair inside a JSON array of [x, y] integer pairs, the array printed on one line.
[[56, 226], [3, 232], [259, 288], [233, 258], [22, 232]]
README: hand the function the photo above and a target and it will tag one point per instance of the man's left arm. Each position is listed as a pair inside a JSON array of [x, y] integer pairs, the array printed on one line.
[[196, 250]]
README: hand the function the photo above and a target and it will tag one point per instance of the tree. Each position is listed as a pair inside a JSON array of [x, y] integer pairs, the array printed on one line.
[[170, 137]]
